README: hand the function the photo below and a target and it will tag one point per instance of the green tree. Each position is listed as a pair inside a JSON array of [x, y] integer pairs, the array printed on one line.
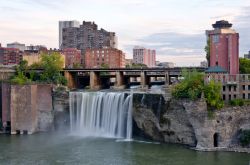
[[190, 87], [52, 64], [212, 92], [207, 50], [244, 66], [20, 78]]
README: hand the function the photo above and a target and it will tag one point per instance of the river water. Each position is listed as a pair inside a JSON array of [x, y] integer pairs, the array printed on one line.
[[43, 149]]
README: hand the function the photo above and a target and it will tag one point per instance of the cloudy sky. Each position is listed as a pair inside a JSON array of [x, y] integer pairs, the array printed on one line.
[[175, 28]]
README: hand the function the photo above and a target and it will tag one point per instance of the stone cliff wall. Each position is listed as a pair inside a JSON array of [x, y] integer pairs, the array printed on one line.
[[61, 109], [189, 122]]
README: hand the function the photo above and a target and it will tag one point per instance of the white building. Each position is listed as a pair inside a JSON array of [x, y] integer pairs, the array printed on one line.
[[16, 45], [145, 56], [66, 24], [166, 64]]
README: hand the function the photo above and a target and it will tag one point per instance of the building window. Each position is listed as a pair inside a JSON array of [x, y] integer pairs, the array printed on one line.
[[215, 38], [229, 97], [243, 96], [224, 97], [248, 87], [234, 88], [234, 96], [243, 87], [224, 88], [248, 95], [229, 88]]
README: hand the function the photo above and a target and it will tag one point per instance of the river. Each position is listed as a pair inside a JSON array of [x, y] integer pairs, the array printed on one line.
[[43, 149]]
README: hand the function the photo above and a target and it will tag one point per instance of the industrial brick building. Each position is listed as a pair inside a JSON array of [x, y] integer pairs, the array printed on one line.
[[72, 57], [111, 57], [224, 47], [145, 56]]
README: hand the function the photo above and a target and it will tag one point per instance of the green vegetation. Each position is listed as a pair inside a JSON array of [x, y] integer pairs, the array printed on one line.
[[237, 102], [207, 50], [77, 66], [20, 78], [213, 95], [244, 66], [192, 86], [245, 138], [51, 65], [104, 66], [133, 65]]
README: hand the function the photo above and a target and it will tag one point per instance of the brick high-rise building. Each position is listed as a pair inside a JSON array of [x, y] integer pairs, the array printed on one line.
[[224, 47], [10, 56], [111, 57], [145, 56], [72, 57], [66, 24], [87, 36]]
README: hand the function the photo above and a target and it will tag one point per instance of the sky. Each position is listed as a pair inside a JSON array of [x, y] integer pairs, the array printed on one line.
[[174, 28]]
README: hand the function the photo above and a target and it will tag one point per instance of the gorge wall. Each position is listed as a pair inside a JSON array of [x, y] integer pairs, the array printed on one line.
[[36, 108], [189, 122]]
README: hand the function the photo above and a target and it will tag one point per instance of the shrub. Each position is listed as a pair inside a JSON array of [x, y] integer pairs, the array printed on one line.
[[192, 87], [237, 102], [212, 92]]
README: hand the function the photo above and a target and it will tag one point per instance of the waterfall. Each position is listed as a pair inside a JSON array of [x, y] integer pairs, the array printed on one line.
[[101, 114]]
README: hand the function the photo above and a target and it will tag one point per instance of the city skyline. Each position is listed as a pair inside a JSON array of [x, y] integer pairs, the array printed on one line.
[[174, 29]]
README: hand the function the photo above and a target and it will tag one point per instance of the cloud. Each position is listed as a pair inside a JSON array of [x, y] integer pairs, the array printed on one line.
[[172, 43], [242, 25]]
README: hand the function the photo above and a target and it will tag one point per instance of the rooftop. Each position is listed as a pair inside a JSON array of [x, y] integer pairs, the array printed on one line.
[[222, 24], [215, 69]]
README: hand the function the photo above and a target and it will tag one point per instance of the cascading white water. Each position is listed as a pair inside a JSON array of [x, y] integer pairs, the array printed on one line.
[[101, 114]]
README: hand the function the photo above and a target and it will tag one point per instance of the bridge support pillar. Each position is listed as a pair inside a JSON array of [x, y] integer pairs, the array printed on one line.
[[95, 81], [167, 79], [120, 80], [154, 78], [70, 79], [144, 80]]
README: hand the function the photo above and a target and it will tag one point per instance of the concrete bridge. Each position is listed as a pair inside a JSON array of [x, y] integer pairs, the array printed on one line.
[[98, 78]]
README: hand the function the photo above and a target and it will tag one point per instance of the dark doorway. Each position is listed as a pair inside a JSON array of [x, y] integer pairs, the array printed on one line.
[[216, 137]]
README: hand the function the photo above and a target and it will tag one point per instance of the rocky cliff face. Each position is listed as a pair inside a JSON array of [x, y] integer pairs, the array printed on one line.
[[61, 108], [189, 122]]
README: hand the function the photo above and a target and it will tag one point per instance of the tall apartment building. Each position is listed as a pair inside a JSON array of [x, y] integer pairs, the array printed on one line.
[[224, 47], [72, 57], [98, 57], [66, 24], [10, 56], [87, 36], [16, 45], [145, 56]]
